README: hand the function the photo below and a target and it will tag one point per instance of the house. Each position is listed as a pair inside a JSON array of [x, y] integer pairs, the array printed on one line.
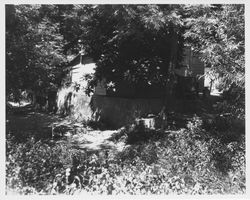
[[191, 75], [192, 66], [127, 103]]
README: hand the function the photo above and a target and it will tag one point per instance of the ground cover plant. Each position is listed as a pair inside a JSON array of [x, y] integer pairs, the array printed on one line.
[[186, 161]]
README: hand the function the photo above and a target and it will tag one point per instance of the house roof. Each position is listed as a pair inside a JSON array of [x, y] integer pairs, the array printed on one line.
[[79, 59]]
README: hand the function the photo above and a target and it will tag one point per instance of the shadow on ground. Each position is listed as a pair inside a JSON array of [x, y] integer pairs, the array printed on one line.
[[24, 122]]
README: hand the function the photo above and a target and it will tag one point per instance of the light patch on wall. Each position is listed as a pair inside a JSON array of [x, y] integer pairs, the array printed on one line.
[[80, 70]]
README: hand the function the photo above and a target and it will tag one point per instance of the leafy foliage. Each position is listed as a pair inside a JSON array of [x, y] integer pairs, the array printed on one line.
[[234, 102], [188, 161], [216, 33], [32, 165], [135, 43], [33, 50], [132, 43]]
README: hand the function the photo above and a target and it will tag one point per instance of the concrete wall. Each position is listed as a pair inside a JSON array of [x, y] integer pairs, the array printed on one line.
[[113, 111], [117, 112]]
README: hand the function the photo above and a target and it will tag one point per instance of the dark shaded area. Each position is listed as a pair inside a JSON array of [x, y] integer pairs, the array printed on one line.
[[41, 102], [99, 125], [52, 106], [187, 87], [26, 122], [125, 89]]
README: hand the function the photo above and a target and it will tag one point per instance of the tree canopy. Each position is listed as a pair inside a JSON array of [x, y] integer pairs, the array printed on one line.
[[216, 33], [33, 50], [135, 43]]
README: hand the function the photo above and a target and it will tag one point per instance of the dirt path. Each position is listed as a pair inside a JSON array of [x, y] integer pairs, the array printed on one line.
[[95, 140], [24, 121]]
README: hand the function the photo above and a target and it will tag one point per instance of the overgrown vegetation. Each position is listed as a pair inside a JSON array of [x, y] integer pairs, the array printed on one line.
[[139, 44], [216, 35], [34, 57], [187, 161]]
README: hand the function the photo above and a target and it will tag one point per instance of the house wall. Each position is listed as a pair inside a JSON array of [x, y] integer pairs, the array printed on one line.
[[81, 107], [198, 69], [78, 105], [193, 67], [100, 88], [118, 112], [126, 90], [113, 111], [78, 72]]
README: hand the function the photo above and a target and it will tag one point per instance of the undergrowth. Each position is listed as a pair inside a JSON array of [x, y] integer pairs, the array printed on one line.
[[186, 161]]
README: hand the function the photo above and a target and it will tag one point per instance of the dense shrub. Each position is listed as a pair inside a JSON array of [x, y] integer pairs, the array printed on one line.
[[31, 166], [198, 161], [184, 162], [233, 102], [187, 161]]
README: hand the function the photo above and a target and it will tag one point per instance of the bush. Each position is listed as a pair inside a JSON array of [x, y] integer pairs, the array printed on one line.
[[35, 164], [187, 161], [233, 102]]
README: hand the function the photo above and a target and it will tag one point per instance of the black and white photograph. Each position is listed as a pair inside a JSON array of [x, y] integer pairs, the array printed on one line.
[[124, 99]]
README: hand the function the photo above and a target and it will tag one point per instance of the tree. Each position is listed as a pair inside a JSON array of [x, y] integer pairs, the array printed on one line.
[[216, 33], [139, 44], [34, 53]]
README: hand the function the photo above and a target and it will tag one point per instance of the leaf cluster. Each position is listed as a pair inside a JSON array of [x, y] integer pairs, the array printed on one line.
[[187, 161], [33, 50], [216, 34]]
